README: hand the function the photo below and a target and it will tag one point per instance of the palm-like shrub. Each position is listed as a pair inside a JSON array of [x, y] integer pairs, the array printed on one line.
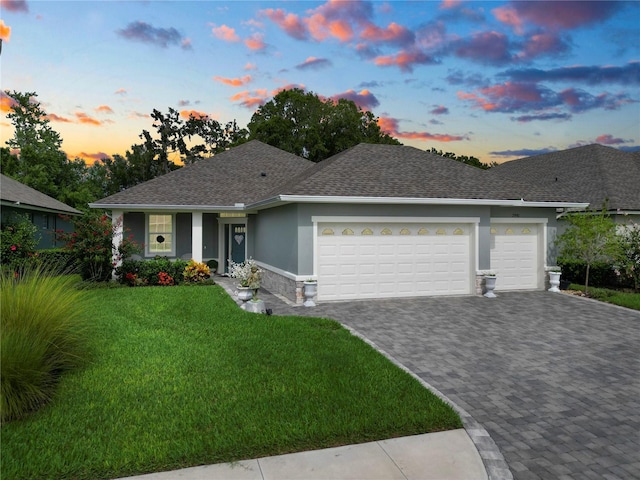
[[42, 334]]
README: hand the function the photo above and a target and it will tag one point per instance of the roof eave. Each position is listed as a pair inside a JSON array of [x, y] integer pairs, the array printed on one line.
[[27, 206], [241, 207], [283, 199]]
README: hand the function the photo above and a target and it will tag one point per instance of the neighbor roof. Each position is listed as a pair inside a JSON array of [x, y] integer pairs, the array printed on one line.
[[241, 175], [18, 195], [592, 173]]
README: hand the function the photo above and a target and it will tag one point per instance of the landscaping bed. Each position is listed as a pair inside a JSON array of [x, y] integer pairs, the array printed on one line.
[[628, 299], [180, 376]]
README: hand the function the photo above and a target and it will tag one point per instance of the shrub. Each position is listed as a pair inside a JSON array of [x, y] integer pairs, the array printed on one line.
[[91, 245], [18, 242], [147, 271], [600, 274], [196, 272], [59, 258], [42, 335]]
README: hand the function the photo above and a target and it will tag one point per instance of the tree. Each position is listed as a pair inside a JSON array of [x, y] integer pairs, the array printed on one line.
[[38, 160], [473, 161], [591, 237], [305, 125]]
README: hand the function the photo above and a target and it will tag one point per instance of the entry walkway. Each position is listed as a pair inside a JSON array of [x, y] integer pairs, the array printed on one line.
[[554, 379]]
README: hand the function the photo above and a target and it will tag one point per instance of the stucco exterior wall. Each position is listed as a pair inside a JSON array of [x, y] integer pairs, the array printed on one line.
[[275, 236], [46, 222]]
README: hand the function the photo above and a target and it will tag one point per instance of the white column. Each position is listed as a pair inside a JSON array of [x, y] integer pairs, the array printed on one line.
[[196, 236], [117, 221]]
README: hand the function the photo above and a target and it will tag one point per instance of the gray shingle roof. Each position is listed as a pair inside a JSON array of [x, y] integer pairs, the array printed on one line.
[[234, 176], [368, 170], [365, 170], [19, 194], [592, 173]]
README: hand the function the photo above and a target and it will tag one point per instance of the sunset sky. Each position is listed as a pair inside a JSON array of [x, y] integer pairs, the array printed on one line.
[[496, 80]]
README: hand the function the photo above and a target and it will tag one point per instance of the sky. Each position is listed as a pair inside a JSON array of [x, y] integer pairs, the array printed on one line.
[[494, 80]]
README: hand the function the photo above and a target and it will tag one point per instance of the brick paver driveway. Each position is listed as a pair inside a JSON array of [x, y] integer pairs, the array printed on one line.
[[554, 379]]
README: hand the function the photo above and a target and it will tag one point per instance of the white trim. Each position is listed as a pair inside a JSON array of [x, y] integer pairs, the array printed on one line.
[[519, 220], [371, 219], [196, 236], [410, 200], [284, 273], [173, 208]]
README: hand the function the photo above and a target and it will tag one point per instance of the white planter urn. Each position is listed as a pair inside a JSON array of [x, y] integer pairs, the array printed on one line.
[[489, 286], [244, 293], [554, 281], [310, 290]]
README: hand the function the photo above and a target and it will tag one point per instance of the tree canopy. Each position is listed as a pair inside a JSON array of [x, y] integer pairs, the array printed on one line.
[[473, 161], [306, 125]]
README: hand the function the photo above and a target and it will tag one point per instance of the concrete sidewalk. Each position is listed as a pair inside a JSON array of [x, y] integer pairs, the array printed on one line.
[[433, 456]]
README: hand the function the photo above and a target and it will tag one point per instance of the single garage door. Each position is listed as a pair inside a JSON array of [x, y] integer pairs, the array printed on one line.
[[514, 255], [385, 260]]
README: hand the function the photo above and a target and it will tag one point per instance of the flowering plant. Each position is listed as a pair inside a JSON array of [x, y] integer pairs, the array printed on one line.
[[196, 272], [165, 279], [247, 273], [134, 281]]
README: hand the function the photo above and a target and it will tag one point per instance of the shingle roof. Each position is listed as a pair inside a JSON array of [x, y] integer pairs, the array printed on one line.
[[234, 176], [368, 170], [365, 170], [21, 195], [592, 173]]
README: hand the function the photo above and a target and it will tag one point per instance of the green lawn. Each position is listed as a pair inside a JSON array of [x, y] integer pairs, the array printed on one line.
[[180, 376], [624, 299]]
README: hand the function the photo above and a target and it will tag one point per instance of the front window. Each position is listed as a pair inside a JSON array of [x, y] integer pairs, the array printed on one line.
[[160, 235]]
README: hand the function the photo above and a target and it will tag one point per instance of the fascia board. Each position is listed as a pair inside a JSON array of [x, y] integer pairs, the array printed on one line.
[[26, 206], [280, 199], [183, 208]]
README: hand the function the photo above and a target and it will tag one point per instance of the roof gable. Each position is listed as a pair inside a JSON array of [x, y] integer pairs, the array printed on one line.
[[592, 173], [375, 170], [243, 174], [23, 196]]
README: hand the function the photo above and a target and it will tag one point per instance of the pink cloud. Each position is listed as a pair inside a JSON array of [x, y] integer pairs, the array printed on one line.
[[5, 31], [195, 114], [608, 139], [314, 63], [15, 6], [121, 91], [289, 22], [103, 109], [234, 82], [225, 33], [389, 126], [542, 44], [87, 120], [255, 42], [250, 66], [556, 14], [439, 110], [394, 34], [446, 4], [52, 117], [137, 115], [251, 99], [485, 47], [404, 60], [363, 99]]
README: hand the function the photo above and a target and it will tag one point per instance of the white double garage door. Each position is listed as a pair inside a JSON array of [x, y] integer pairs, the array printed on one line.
[[410, 259]]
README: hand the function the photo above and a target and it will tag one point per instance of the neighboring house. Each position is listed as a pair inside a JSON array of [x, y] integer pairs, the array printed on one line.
[[42, 210], [371, 222], [594, 173]]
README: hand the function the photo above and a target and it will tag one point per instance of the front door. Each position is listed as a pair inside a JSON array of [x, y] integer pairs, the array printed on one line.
[[235, 243]]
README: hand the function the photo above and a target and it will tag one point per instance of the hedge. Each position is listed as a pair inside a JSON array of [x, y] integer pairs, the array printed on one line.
[[600, 274]]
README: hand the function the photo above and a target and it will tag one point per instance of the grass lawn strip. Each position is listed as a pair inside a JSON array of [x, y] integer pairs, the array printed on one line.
[[616, 297], [180, 377]]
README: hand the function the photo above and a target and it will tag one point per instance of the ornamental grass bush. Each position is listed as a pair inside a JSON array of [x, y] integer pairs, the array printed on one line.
[[42, 335]]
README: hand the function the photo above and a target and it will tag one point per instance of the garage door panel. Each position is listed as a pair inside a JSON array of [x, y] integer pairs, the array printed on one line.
[[514, 255], [393, 260]]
